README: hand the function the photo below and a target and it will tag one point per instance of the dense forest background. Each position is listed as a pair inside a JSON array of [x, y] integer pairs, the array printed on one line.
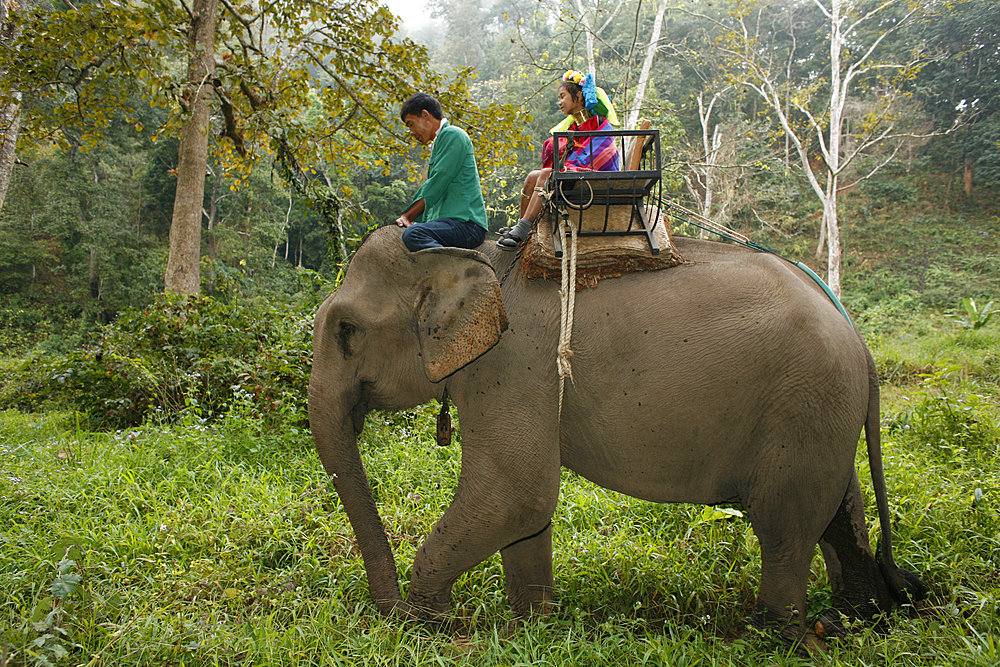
[[85, 224], [161, 500]]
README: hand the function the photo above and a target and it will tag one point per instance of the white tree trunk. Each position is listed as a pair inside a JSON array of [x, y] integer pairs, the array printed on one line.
[[632, 118], [589, 38], [838, 97], [10, 114], [284, 227]]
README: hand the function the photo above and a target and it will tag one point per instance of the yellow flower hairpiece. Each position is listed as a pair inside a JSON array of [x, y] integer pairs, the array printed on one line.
[[574, 76]]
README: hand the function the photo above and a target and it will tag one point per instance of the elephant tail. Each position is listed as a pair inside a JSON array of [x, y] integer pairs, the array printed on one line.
[[904, 586]]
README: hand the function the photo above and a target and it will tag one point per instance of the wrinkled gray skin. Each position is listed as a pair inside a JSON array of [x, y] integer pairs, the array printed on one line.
[[732, 379]]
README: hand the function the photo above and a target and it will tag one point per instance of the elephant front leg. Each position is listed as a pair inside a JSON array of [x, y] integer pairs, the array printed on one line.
[[527, 567], [502, 503]]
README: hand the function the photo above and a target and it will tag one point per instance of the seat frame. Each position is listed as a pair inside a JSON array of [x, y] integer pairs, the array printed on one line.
[[637, 187]]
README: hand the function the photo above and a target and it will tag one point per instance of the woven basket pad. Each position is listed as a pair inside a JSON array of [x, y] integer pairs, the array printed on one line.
[[600, 257]]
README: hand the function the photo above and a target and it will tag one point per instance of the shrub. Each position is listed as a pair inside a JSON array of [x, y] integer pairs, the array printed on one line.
[[955, 423], [196, 355], [896, 191]]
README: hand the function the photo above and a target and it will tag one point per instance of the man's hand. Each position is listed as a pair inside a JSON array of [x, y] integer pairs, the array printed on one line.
[[415, 211]]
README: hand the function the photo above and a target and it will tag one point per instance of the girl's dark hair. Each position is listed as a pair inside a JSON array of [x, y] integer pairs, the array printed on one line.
[[418, 103], [574, 89]]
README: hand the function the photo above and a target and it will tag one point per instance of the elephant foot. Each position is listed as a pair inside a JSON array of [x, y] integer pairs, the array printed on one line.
[[398, 610], [433, 615], [827, 626], [512, 628], [786, 629], [812, 644], [435, 618]]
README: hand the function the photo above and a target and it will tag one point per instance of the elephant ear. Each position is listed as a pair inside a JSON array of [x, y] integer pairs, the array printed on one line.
[[459, 309]]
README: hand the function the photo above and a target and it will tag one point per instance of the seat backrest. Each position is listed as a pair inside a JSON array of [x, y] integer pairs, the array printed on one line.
[[638, 143]]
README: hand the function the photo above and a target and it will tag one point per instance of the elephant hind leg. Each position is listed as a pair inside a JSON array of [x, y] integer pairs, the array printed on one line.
[[788, 521], [859, 591], [781, 602]]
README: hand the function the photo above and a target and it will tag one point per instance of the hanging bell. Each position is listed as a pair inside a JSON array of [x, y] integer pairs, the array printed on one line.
[[444, 424]]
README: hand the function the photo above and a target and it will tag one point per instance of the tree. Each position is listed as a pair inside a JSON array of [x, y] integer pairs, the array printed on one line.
[[595, 20], [302, 82], [183, 264], [964, 85], [10, 100], [82, 247], [635, 104], [811, 107]]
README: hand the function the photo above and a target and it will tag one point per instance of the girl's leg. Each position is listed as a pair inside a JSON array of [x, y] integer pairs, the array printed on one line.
[[534, 201], [528, 190], [531, 206]]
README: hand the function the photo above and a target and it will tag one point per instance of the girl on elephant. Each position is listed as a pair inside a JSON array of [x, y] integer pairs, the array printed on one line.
[[587, 109]]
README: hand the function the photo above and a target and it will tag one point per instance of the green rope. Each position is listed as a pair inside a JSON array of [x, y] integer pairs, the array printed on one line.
[[826, 288], [762, 248]]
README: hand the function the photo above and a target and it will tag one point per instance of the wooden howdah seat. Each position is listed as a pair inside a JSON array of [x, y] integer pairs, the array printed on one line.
[[617, 215]]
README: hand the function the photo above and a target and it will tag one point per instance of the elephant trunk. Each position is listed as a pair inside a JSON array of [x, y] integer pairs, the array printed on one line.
[[337, 445]]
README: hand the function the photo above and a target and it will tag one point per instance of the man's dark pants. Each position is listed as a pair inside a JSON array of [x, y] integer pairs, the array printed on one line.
[[444, 232]]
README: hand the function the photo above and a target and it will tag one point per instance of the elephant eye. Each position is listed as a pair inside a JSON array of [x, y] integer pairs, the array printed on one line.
[[347, 330]]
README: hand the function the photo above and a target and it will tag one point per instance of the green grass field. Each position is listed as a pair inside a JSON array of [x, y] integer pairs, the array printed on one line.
[[217, 544]]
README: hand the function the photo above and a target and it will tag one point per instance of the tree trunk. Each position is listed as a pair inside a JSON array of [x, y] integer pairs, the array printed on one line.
[[833, 245], [968, 174], [821, 243], [284, 227], [340, 236], [589, 37], [213, 210], [183, 265], [10, 114], [640, 89], [94, 280], [838, 97]]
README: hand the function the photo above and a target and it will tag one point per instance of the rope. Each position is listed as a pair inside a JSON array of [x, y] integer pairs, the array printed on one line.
[[567, 297], [581, 207], [679, 212]]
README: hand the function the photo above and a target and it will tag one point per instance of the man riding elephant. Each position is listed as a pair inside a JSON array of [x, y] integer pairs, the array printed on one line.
[[449, 204]]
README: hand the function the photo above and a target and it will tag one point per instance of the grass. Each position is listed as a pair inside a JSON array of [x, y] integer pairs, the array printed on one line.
[[216, 544]]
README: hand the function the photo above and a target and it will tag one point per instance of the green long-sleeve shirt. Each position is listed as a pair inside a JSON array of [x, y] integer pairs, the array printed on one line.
[[452, 188]]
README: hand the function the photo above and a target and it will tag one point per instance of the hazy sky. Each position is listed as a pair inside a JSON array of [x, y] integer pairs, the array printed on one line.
[[413, 13]]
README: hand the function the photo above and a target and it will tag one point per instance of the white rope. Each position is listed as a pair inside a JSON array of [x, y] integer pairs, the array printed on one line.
[[567, 298], [711, 225]]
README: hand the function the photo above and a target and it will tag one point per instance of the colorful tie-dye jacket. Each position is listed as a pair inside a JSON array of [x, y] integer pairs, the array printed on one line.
[[588, 153]]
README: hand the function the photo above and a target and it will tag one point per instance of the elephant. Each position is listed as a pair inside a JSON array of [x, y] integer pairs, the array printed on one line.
[[731, 378]]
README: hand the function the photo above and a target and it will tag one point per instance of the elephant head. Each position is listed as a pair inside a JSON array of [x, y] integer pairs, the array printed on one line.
[[399, 324]]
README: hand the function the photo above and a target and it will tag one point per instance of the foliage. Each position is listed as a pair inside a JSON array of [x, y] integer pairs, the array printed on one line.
[[963, 83], [956, 424], [215, 543], [327, 93], [975, 317], [71, 232], [199, 358]]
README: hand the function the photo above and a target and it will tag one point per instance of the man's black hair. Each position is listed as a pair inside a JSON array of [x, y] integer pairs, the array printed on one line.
[[418, 103]]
